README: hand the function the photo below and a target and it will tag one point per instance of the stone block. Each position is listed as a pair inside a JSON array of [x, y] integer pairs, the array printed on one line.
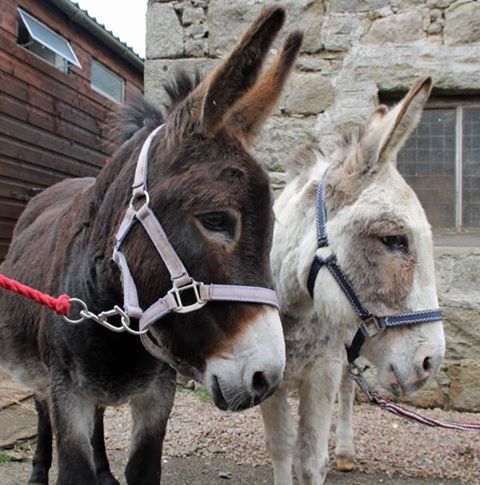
[[310, 21], [307, 62], [307, 94], [396, 67], [462, 331], [464, 388], [350, 6], [164, 32], [462, 23], [196, 47], [197, 31], [398, 29], [435, 28], [280, 136], [339, 32], [234, 14], [193, 15], [458, 276]]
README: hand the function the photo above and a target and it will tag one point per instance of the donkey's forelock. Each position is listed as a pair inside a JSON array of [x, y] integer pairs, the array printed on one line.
[[139, 113]]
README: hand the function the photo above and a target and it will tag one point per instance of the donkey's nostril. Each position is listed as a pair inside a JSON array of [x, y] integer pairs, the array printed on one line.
[[260, 385], [427, 364]]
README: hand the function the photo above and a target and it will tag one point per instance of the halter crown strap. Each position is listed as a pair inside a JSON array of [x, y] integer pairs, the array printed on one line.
[[369, 324], [173, 301]]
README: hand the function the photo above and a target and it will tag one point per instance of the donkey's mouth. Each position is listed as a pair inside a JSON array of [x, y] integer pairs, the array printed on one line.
[[401, 388], [218, 397]]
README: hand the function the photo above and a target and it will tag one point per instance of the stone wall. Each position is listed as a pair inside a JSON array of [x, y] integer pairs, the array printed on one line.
[[353, 50]]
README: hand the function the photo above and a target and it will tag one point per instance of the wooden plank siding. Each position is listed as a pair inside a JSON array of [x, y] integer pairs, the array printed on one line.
[[52, 124]]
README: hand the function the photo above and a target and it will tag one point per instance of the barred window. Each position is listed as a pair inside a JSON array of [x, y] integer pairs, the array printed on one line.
[[441, 162]]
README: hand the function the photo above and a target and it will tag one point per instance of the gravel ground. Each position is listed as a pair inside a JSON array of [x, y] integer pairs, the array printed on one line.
[[386, 445]]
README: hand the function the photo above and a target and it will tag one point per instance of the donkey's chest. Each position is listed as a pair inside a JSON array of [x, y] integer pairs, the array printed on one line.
[[114, 388], [108, 367], [305, 340]]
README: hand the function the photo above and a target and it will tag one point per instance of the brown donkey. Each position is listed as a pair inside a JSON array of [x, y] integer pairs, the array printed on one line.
[[214, 203]]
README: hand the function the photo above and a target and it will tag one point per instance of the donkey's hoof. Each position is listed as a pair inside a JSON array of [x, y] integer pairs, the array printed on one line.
[[345, 463]]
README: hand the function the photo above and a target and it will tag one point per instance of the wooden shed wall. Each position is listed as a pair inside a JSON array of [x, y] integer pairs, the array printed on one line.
[[52, 124]]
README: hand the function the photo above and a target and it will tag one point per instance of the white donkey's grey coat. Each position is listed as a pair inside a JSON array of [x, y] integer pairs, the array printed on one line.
[[379, 232]]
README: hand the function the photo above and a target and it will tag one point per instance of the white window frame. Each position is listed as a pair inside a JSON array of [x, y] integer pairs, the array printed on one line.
[[99, 90], [26, 17]]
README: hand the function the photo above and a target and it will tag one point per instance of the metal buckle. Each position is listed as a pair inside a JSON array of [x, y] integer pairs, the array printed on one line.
[[177, 291], [356, 373], [371, 326], [136, 197]]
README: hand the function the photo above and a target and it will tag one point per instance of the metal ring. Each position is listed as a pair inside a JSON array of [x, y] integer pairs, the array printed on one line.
[[135, 198], [83, 309]]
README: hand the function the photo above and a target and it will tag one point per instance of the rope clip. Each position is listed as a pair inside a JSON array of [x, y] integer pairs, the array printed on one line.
[[102, 318]]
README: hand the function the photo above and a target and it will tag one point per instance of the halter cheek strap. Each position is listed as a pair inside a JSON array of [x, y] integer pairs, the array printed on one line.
[[139, 212], [369, 325]]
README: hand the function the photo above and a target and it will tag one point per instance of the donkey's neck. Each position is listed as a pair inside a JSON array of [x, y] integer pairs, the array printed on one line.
[[294, 241], [98, 211], [294, 248]]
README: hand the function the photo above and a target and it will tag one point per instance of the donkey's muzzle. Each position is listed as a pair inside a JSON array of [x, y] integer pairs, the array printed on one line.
[[253, 367], [261, 388]]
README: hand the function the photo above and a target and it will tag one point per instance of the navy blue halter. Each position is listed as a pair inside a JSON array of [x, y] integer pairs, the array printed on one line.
[[370, 325]]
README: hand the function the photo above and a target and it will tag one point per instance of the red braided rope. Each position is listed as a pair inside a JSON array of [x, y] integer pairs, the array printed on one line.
[[60, 305]]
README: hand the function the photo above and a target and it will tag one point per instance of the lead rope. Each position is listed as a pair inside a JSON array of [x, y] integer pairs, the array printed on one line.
[[60, 305], [357, 375]]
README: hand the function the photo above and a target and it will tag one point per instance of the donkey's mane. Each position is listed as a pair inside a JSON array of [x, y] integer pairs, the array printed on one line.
[[139, 113], [350, 137]]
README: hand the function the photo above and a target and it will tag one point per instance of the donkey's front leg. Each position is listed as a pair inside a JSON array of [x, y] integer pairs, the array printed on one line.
[[73, 417], [150, 413], [42, 460], [100, 458], [344, 451], [317, 394], [280, 435]]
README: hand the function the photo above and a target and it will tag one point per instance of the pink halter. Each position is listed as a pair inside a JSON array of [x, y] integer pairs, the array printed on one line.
[[181, 280]]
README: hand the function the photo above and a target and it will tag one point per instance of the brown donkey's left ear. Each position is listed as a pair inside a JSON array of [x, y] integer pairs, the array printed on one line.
[[208, 107], [254, 108]]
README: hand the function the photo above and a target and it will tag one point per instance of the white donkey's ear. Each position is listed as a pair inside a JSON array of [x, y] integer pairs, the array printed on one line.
[[387, 131]]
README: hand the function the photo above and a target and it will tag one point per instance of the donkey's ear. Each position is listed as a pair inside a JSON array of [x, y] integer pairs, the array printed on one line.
[[212, 101], [254, 108], [386, 132]]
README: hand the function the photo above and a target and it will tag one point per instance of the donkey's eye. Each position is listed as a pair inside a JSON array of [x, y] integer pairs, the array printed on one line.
[[395, 243], [218, 222]]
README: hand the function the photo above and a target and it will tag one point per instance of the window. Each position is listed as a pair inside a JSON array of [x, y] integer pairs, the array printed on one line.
[[441, 162], [44, 42], [106, 82]]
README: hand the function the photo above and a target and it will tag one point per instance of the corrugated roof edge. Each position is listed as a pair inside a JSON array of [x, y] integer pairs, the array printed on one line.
[[82, 18]]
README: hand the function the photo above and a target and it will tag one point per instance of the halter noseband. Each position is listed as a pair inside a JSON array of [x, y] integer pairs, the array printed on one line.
[[369, 324], [181, 280]]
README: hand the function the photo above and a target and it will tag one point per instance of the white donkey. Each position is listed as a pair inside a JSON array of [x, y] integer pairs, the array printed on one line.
[[378, 231]]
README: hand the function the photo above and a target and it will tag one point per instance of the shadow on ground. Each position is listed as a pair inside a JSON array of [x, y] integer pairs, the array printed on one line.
[[197, 471]]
